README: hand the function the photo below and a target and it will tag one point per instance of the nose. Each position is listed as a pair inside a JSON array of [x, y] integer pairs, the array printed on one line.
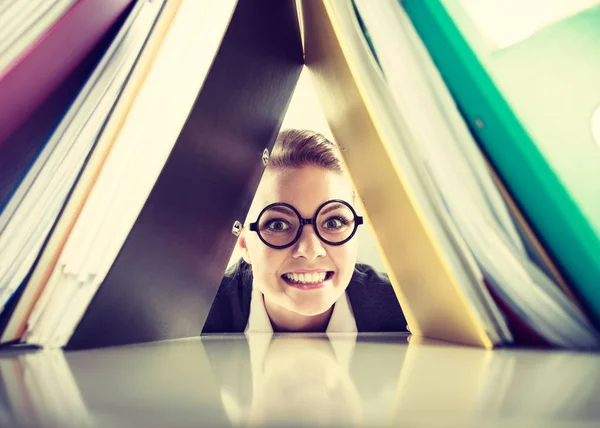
[[309, 246]]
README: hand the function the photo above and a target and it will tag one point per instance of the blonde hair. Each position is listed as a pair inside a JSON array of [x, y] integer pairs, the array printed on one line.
[[295, 148]]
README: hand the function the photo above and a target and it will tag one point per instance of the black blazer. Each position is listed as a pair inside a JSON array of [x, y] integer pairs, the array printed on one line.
[[373, 301]]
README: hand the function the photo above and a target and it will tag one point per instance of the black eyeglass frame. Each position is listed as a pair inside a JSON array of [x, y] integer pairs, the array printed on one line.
[[358, 220]]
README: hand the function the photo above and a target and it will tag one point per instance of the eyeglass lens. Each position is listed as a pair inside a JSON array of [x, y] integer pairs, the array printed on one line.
[[279, 225]]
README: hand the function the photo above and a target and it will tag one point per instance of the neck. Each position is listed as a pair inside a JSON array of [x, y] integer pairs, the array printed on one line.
[[284, 320]]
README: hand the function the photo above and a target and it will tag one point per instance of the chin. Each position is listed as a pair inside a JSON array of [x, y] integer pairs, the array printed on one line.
[[311, 309]]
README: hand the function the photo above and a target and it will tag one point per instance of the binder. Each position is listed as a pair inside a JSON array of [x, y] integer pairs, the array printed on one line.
[[426, 284], [530, 93], [455, 256], [140, 247], [48, 259], [20, 149], [532, 242], [162, 283], [155, 269], [50, 59], [36, 203]]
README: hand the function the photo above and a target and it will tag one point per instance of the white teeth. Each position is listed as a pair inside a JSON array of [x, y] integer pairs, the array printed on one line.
[[306, 278]]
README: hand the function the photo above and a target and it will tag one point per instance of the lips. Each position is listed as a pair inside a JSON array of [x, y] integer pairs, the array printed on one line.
[[307, 280]]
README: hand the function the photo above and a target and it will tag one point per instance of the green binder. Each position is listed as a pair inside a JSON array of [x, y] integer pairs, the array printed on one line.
[[526, 76]]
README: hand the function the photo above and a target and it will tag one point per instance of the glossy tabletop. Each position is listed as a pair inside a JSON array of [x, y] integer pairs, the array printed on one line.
[[299, 380]]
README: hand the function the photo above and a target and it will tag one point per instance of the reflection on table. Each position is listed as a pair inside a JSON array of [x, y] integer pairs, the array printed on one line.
[[299, 379]]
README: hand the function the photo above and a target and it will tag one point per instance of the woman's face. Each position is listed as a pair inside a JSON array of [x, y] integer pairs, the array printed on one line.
[[305, 189]]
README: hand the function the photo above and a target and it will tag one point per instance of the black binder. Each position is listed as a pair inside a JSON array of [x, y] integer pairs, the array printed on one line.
[[163, 282]]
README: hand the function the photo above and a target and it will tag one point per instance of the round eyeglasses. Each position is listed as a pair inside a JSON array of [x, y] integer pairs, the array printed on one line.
[[280, 225]]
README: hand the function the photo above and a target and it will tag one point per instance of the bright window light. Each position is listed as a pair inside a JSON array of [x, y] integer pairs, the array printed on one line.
[[506, 22]]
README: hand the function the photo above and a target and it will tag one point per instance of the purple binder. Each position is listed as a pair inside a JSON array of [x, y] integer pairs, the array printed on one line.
[[32, 77]]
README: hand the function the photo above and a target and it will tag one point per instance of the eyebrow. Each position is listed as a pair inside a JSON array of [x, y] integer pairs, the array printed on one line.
[[332, 207], [282, 210], [285, 210]]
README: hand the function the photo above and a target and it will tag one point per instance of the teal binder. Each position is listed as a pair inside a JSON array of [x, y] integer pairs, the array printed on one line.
[[528, 83]]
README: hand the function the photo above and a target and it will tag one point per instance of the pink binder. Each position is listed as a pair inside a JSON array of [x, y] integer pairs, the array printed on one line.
[[26, 83]]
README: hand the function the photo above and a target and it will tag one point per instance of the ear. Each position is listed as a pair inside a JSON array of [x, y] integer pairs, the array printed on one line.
[[243, 246]]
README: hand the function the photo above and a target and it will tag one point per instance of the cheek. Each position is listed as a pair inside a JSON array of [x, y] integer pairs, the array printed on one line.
[[265, 261], [344, 258]]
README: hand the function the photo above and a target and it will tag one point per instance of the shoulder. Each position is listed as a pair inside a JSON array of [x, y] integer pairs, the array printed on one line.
[[374, 301], [231, 307], [365, 274]]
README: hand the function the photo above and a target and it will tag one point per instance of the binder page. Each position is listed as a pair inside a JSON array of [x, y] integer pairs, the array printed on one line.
[[127, 48], [48, 258], [25, 232], [134, 163], [34, 17], [14, 26], [441, 140], [394, 125]]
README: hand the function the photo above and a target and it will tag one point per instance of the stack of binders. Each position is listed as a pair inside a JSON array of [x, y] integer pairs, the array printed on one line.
[[123, 169], [116, 232], [469, 261]]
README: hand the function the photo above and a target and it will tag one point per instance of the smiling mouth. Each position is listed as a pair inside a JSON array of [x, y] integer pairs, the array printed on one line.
[[307, 281]]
